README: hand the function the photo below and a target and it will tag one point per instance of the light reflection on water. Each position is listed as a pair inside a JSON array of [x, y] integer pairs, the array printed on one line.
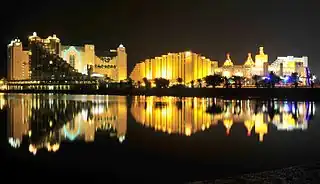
[[187, 116], [45, 121]]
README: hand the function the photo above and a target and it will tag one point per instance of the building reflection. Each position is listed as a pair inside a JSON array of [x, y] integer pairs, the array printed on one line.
[[44, 121], [186, 116]]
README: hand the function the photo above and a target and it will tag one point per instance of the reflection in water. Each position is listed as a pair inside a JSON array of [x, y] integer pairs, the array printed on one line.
[[47, 120], [189, 115]]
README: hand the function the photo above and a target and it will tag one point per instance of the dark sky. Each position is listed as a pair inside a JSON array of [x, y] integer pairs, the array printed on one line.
[[150, 28]]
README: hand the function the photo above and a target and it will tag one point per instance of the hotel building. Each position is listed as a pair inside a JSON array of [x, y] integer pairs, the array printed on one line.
[[18, 61], [286, 65], [186, 65], [22, 64], [113, 65], [190, 66]]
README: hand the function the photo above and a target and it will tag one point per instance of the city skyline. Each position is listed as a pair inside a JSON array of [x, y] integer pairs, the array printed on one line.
[[284, 28], [113, 63]]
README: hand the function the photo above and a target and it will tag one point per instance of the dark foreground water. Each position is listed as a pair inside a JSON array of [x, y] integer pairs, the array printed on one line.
[[154, 139]]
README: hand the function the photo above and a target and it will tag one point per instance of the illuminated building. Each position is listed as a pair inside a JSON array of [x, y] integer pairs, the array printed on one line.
[[47, 59], [261, 60], [45, 62], [228, 69], [248, 69], [190, 66], [18, 61], [282, 66], [287, 65], [186, 65], [113, 65]]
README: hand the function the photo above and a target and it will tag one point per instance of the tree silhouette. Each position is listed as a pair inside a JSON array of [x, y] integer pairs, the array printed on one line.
[[226, 82], [146, 82], [238, 81], [256, 79], [179, 80], [214, 109], [199, 82], [273, 79], [213, 80], [129, 82], [161, 82], [295, 79], [192, 83]]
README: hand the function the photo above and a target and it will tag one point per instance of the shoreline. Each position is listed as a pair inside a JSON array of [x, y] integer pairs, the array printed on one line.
[[307, 173], [227, 93]]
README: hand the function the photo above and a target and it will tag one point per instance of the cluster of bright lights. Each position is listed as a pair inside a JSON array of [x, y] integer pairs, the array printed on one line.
[[15, 143], [69, 50], [122, 138], [14, 42], [99, 109], [33, 149], [71, 136]]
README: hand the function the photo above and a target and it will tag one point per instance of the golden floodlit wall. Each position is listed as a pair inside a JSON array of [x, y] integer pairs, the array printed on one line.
[[186, 65], [18, 61]]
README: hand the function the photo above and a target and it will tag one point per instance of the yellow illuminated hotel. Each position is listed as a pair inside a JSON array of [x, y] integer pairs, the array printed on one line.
[[191, 66], [112, 65], [186, 65]]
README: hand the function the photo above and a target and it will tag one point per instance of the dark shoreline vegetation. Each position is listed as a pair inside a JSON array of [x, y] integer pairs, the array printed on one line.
[[238, 93]]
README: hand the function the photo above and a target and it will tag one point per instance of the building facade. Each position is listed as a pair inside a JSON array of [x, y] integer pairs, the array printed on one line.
[[284, 66], [18, 61], [35, 62], [187, 65], [112, 65], [190, 66], [248, 69]]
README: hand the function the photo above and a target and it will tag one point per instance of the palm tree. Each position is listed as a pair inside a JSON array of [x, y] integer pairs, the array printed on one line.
[[192, 84], [161, 82], [146, 82], [238, 81], [256, 79], [179, 80], [213, 80], [295, 79], [226, 82], [274, 79], [199, 82], [139, 84]]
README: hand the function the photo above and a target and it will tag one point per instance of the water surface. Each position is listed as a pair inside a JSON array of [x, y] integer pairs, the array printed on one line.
[[158, 138]]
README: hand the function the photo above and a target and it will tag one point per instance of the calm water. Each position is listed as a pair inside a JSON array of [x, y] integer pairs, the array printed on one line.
[[156, 138]]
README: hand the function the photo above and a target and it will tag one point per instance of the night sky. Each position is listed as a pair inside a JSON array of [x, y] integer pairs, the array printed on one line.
[[151, 28]]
